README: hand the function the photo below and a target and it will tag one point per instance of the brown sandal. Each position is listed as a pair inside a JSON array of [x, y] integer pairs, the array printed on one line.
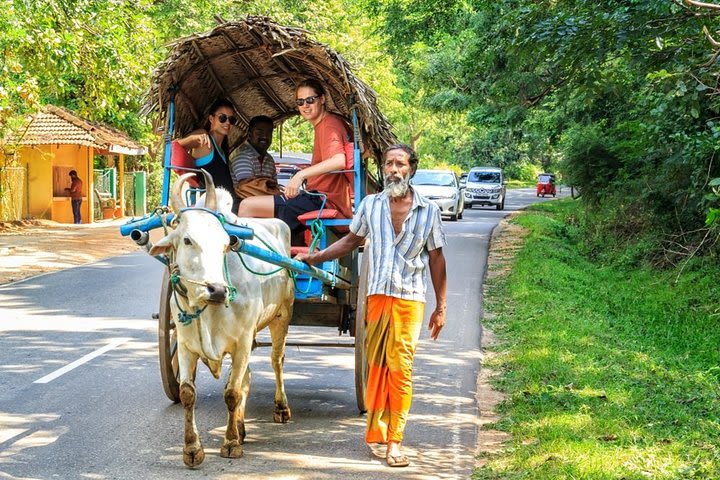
[[397, 461]]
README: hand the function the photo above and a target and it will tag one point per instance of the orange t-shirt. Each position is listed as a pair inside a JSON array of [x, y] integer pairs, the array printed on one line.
[[330, 139]]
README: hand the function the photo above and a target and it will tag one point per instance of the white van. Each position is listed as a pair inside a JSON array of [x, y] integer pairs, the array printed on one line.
[[485, 186]]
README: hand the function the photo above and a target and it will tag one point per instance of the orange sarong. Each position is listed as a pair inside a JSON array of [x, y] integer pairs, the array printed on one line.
[[393, 329]]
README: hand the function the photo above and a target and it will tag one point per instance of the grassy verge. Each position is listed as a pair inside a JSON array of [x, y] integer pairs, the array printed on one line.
[[609, 372]]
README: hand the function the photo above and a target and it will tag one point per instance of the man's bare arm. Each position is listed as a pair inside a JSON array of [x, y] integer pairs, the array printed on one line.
[[338, 249], [438, 275]]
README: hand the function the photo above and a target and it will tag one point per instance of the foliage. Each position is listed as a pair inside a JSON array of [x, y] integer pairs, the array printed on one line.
[[615, 95], [610, 371], [97, 58]]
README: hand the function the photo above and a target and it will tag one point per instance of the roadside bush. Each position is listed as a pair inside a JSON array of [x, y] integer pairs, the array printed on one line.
[[588, 163], [523, 171]]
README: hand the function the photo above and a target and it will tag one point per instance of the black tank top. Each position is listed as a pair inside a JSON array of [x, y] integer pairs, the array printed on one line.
[[219, 171]]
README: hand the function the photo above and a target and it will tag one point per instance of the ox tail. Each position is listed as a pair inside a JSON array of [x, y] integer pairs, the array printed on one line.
[[211, 357]]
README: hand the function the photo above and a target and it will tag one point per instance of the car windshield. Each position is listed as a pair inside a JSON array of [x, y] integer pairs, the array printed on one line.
[[484, 177], [433, 178]]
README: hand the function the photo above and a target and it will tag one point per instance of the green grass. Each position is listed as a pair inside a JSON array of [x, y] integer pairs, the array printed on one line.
[[610, 372]]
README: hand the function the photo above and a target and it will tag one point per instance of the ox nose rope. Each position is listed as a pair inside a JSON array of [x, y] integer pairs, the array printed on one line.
[[179, 289]]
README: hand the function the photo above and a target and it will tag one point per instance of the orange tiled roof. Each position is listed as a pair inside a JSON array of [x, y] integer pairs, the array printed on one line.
[[58, 126]]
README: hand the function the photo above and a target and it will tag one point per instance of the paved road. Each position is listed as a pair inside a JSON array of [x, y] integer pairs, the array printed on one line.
[[80, 394]]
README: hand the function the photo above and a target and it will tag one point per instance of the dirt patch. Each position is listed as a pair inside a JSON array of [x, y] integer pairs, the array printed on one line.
[[33, 247], [505, 242]]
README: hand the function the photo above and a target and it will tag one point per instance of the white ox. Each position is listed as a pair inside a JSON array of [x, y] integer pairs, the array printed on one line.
[[198, 249]]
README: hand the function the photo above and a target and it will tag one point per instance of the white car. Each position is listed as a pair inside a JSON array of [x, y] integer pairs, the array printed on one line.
[[442, 187], [485, 186]]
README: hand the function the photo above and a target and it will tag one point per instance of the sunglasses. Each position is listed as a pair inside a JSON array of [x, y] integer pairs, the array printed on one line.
[[310, 100], [222, 118]]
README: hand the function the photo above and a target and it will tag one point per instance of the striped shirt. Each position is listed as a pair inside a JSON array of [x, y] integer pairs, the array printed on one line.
[[245, 163], [397, 263]]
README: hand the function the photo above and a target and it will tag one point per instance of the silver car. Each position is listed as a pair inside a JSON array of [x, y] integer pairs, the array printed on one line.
[[442, 187]]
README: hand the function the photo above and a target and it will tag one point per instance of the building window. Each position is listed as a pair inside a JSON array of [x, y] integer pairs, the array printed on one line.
[[61, 181]]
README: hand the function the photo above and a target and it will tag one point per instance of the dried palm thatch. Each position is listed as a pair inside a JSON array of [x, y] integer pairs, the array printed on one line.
[[256, 64]]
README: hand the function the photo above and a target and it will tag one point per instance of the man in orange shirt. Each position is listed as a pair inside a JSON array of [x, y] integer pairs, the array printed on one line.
[[75, 195]]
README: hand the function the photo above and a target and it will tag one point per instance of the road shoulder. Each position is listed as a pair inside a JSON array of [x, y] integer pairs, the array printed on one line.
[[506, 240]]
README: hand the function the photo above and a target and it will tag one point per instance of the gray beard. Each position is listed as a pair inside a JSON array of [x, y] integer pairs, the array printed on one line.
[[398, 188]]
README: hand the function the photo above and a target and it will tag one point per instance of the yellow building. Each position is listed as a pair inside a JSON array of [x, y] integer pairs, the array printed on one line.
[[55, 142]]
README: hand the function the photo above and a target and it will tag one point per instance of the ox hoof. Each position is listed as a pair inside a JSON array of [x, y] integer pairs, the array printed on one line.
[[193, 456], [282, 414], [231, 449]]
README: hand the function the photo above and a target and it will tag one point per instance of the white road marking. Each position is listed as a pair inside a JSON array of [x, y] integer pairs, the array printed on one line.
[[61, 371], [9, 433]]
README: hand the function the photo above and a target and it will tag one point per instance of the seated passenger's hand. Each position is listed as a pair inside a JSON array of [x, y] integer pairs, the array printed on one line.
[[293, 187], [203, 140]]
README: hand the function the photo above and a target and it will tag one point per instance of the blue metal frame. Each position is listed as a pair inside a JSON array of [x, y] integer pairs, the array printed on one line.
[[167, 159], [357, 162]]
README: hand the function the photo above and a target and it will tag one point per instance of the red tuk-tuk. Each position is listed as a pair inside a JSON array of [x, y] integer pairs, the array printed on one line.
[[546, 184]]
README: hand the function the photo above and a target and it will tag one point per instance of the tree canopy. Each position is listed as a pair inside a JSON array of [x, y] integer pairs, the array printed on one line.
[[620, 97]]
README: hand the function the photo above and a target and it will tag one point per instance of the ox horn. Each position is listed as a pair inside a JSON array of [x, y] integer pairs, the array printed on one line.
[[176, 201], [210, 197]]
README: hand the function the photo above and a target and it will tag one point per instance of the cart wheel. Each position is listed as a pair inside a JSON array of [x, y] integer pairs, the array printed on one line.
[[167, 343], [361, 366]]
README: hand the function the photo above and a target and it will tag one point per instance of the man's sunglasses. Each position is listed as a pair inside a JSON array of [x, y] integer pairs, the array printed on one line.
[[310, 100], [222, 118]]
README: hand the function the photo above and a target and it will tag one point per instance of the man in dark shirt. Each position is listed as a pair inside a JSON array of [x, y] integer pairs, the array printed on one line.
[[75, 195]]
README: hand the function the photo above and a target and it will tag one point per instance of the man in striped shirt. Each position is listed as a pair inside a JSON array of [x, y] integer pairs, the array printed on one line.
[[250, 161], [404, 231]]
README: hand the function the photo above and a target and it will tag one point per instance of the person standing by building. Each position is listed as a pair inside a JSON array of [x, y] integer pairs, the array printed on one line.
[[404, 230], [76, 195]]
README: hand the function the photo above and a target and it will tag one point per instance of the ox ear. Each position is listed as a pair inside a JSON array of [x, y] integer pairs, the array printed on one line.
[[162, 246]]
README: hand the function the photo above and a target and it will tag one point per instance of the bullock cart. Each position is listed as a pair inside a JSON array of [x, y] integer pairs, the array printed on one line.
[[256, 64]]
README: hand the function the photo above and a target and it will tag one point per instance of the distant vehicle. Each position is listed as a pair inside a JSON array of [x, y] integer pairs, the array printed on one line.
[[463, 180], [546, 184], [442, 187], [289, 164], [485, 186]]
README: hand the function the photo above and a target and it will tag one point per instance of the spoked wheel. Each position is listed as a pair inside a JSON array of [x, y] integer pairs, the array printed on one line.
[[361, 363], [167, 343]]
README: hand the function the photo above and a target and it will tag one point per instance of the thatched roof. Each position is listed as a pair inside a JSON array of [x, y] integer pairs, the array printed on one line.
[[59, 126], [256, 64]]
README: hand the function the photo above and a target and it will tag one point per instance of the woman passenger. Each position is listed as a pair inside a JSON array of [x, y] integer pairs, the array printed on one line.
[[209, 146], [330, 137]]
